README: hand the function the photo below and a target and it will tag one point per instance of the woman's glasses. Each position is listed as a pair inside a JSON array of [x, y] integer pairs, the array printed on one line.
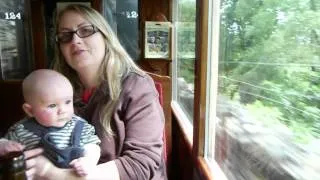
[[82, 32]]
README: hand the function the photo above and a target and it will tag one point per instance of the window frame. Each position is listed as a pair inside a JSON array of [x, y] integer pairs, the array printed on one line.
[[212, 25], [200, 88], [207, 15], [181, 117]]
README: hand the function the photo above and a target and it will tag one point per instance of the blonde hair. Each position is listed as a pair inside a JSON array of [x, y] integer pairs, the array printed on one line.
[[114, 67]]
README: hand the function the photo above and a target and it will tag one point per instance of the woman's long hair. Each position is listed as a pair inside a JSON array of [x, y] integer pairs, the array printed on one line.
[[115, 66]]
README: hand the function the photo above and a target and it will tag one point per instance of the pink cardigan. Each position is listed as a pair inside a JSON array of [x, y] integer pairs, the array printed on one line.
[[138, 122]]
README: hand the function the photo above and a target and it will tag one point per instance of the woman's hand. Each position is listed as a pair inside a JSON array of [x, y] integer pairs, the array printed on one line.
[[36, 164], [7, 146]]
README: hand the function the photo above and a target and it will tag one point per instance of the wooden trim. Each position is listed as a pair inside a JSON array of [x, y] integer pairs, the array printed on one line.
[[204, 170], [157, 66], [97, 5], [210, 172], [200, 78], [170, 6], [38, 33]]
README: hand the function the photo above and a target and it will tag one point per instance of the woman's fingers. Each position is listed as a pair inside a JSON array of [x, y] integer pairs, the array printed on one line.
[[30, 163], [32, 153], [7, 146], [14, 146], [38, 166], [30, 173]]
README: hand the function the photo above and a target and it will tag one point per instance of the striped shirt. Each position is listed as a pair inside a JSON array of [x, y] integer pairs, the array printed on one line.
[[61, 137]]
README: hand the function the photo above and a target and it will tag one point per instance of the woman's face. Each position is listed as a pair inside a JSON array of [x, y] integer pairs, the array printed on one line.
[[81, 53]]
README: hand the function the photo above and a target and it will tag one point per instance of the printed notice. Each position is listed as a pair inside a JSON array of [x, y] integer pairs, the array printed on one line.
[[157, 39]]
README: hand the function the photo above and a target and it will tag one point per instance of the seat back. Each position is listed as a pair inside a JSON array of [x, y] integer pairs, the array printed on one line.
[[163, 86], [159, 89]]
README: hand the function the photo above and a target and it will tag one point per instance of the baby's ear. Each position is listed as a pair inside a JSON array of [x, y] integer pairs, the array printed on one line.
[[27, 109]]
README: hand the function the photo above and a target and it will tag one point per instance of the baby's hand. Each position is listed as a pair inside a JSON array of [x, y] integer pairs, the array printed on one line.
[[7, 146], [82, 165]]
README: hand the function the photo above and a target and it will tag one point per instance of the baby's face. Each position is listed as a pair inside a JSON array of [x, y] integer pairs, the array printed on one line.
[[54, 107]]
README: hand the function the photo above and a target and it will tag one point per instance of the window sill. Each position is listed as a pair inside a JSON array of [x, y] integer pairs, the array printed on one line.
[[184, 123], [208, 168], [211, 169]]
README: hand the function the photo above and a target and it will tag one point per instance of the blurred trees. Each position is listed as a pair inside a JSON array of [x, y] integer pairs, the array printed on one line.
[[270, 57]]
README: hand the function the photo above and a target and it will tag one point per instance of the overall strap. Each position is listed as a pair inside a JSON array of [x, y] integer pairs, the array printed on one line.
[[61, 157], [76, 133], [41, 131], [33, 126]]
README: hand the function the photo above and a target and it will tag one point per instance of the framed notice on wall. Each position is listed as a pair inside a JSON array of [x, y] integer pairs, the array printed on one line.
[[157, 40]]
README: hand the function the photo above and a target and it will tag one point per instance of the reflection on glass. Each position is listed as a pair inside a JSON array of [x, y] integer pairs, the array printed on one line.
[[15, 61], [123, 18], [268, 105], [185, 32]]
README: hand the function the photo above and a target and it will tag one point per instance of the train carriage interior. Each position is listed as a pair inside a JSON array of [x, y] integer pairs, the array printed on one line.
[[239, 80]]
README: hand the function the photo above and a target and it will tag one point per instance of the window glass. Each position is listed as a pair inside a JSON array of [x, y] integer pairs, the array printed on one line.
[[185, 14], [268, 110], [15, 42], [122, 15]]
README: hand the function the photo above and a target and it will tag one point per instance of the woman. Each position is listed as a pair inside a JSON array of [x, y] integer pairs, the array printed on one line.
[[123, 106]]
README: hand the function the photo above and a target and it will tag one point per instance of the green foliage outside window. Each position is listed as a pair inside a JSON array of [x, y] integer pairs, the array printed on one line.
[[186, 39], [185, 36], [270, 61]]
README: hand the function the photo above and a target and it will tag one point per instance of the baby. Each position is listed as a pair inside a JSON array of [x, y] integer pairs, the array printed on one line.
[[68, 140]]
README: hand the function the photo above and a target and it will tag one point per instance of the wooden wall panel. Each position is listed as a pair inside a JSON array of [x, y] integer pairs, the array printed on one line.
[[149, 9], [97, 5], [11, 104], [185, 166], [154, 11], [38, 33], [182, 163], [157, 66]]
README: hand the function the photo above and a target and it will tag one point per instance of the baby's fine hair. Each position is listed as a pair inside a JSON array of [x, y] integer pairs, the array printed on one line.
[[42, 80]]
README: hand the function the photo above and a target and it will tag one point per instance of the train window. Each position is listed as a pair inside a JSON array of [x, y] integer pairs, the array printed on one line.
[[15, 41], [183, 68], [122, 15], [267, 119]]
